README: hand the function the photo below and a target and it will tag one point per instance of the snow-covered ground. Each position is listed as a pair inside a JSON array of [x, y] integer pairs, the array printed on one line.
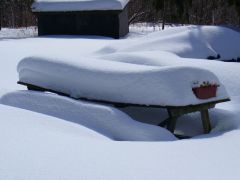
[[7, 33], [108, 121], [58, 138]]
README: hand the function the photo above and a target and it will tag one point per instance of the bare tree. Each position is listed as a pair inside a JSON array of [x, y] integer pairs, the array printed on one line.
[[17, 13]]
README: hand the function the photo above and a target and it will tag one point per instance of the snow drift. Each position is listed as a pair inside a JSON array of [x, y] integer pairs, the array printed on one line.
[[26, 123], [118, 82], [39, 147], [198, 42], [105, 120]]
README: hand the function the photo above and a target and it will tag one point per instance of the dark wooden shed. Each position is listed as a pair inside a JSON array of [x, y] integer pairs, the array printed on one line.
[[82, 17]]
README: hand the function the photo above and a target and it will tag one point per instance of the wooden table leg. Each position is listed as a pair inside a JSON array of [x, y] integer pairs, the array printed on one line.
[[171, 124], [165, 122], [206, 121], [171, 121]]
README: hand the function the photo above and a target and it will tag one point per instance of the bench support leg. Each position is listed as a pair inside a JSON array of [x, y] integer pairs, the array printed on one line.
[[174, 114], [171, 121], [206, 121], [171, 124]]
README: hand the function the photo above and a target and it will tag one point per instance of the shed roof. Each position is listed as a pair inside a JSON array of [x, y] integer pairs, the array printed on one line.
[[77, 5]]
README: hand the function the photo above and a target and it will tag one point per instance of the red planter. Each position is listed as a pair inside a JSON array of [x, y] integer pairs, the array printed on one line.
[[205, 92]]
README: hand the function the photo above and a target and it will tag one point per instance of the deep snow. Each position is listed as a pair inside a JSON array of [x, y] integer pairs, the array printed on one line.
[[193, 42], [39, 147], [105, 120], [32, 151]]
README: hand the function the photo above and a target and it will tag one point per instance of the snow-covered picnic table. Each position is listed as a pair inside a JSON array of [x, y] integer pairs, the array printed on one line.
[[123, 84]]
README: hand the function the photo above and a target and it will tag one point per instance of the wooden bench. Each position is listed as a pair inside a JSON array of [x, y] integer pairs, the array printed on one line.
[[174, 112]]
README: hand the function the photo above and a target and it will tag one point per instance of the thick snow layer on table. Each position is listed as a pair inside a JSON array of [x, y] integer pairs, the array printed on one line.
[[118, 82], [78, 5], [105, 120]]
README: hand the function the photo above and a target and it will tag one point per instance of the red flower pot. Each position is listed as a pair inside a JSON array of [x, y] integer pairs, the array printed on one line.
[[205, 92]]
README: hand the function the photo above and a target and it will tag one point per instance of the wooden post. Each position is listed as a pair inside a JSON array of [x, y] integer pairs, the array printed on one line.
[[171, 121], [171, 124], [205, 121]]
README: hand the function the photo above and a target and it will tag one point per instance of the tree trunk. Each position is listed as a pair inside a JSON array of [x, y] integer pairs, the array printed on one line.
[[0, 19], [213, 17], [164, 15]]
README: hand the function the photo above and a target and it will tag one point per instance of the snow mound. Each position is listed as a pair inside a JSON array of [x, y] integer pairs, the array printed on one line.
[[118, 82], [78, 5], [198, 42], [105, 120], [24, 123], [33, 149]]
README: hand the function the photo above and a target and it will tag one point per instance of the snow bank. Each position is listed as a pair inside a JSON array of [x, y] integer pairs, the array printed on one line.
[[198, 42], [78, 5], [25, 123], [35, 147], [105, 120], [118, 82]]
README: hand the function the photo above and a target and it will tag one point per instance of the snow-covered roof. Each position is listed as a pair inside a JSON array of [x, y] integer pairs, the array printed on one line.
[[77, 5]]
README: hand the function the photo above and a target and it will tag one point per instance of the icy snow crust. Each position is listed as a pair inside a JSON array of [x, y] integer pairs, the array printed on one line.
[[118, 82], [77, 5]]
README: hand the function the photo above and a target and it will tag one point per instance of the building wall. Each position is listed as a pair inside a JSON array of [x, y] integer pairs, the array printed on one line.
[[124, 22], [104, 23]]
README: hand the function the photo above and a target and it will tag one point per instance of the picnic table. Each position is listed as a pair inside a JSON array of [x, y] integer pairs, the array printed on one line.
[[174, 112]]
